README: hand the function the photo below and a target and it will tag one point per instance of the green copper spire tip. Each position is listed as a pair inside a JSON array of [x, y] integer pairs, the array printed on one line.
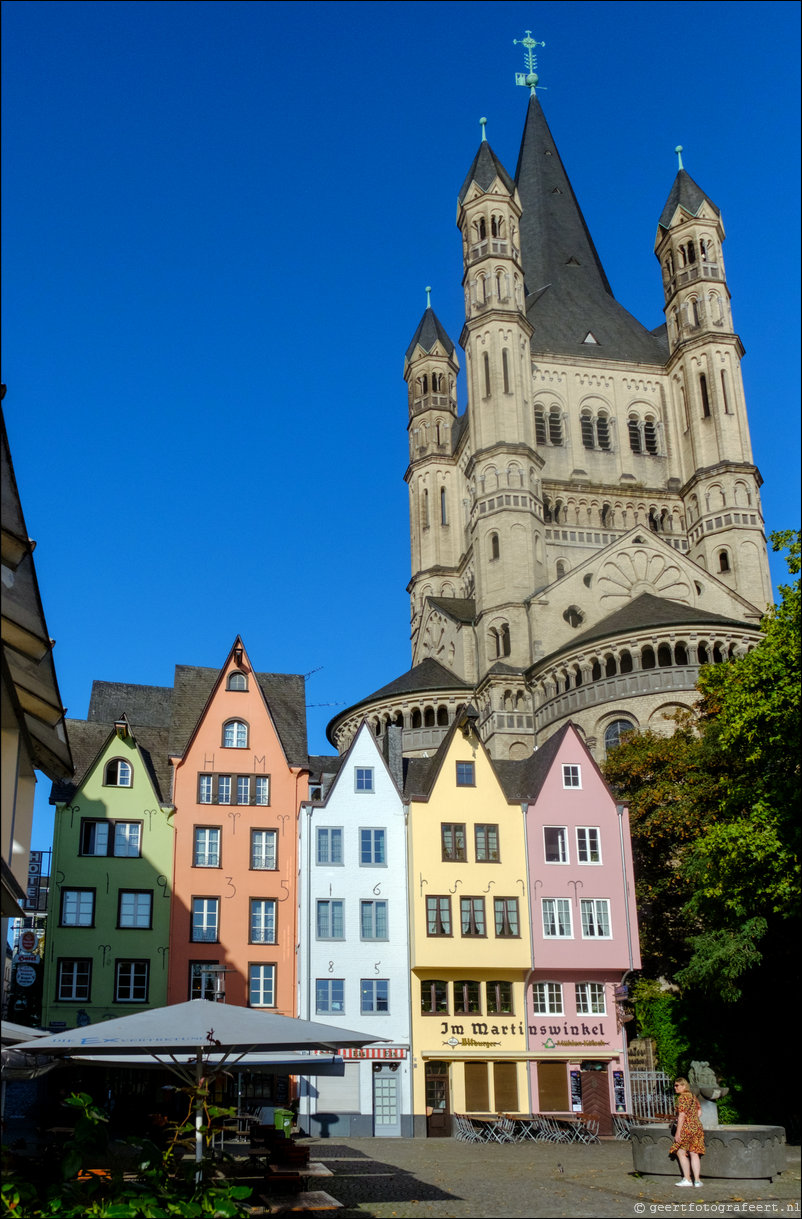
[[529, 78], [678, 151], [428, 297], [483, 125]]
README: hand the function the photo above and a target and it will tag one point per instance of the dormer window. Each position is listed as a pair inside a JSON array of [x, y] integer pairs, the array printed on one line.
[[235, 735], [118, 774], [237, 681]]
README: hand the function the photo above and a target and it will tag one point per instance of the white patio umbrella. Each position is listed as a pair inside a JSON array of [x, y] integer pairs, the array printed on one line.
[[191, 1039]]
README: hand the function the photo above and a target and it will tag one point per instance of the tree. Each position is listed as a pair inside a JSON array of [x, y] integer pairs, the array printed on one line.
[[714, 812]]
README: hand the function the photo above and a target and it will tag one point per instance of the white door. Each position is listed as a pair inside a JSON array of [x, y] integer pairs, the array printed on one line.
[[386, 1115]]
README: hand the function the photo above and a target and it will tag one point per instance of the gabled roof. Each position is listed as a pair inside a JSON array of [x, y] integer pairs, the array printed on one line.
[[685, 194], [485, 169], [89, 740], [420, 773], [284, 693], [522, 780], [110, 700], [430, 332], [569, 294]]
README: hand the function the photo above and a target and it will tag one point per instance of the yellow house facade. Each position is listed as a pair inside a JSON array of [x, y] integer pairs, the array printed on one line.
[[469, 935]]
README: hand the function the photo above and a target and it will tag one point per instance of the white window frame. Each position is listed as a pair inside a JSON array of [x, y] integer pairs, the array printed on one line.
[[262, 790], [124, 773], [224, 789], [262, 924], [206, 846], [547, 999], [572, 776], [140, 914], [235, 734], [266, 852], [595, 912], [587, 847], [262, 983], [559, 909], [205, 789], [138, 987], [83, 901], [561, 843], [205, 918], [77, 972], [243, 788], [127, 839], [591, 998], [329, 834]]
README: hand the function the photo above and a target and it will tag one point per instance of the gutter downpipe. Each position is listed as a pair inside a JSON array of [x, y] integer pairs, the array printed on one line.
[[621, 809]]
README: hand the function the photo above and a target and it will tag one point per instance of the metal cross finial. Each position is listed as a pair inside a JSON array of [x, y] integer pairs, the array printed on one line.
[[678, 151], [428, 297], [530, 77], [483, 125]]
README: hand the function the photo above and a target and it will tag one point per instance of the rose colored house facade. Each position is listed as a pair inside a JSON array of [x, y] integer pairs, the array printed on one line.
[[240, 774], [584, 932]]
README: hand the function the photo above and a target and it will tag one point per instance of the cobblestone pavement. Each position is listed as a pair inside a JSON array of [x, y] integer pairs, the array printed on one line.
[[400, 1178]]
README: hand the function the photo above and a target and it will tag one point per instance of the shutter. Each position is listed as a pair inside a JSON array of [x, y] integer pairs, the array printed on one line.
[[339, 1094], [476, 1093], [552, 1085], [505, 1086]]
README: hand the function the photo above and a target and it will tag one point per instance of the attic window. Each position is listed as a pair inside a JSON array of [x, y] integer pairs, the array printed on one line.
[[573, 262], [556, 191], [591, 338], [237, 681]]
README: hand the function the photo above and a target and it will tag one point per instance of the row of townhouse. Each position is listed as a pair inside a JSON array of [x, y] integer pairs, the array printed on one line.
[[476, 916]]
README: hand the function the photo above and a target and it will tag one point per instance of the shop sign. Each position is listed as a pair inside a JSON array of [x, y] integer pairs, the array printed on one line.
[[26, 975], [27, 958], [34, 879], [27, 941], [619, 1092], [375, 1052], [576, 1092]]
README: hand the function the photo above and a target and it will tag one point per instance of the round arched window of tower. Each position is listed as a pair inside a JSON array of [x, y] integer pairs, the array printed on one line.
[[615, 733]]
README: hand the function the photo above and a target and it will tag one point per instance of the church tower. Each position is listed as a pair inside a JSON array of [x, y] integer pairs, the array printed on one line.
[[588, 532], [720, 483]]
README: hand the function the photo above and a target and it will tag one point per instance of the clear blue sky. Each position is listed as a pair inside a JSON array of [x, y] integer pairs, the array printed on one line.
[[219, 221]]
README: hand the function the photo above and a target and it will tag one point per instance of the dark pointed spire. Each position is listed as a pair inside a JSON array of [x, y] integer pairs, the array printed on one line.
[[568, 293], [485, 169], [430, 331], [687, 195]]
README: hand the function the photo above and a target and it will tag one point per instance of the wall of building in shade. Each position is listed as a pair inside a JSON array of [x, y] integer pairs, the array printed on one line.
[[476, 916]]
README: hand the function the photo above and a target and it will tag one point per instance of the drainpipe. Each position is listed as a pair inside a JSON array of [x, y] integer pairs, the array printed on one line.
[[410, 1062], [620, 809], [530, 972]]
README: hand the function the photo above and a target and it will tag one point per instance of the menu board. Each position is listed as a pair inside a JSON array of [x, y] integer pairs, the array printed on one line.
[[619, 1092], [576, 1092]]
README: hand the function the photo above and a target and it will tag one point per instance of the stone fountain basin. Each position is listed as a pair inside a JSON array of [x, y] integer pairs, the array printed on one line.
[[746, 1152]]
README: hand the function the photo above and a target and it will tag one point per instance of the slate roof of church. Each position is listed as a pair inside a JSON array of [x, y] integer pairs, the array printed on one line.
[[428, 675], [685, 194], [568, 293], [463, 609], [430, 331], [646, 611], [485, 169]]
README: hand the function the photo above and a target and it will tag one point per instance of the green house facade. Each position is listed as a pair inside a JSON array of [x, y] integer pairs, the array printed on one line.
[[109, 912]]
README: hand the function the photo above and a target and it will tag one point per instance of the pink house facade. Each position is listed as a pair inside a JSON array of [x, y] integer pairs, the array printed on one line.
[[584, 933]]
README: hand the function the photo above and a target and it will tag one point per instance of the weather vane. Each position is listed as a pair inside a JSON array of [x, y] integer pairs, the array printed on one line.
[[528, 78]]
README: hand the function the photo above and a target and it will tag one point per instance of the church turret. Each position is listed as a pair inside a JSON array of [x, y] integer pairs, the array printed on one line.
[[435, 503], [503, 470], [719, 478]]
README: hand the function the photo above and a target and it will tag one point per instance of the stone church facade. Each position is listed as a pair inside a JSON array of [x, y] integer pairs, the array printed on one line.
[[589, 531]]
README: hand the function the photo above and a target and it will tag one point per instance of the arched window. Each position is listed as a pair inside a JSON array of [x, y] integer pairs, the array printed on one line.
[[633, 426], [118, 773], [664, 657], [603, 432], [548, 515], [615, 732], [723, 561], [428, 717], [606, 516], [495, 550], [486, 366], [417, 719], [610, 667], [442, 717], [561, 568], [649, 435], [540, 426], [505, 640], [647, 658], [505, 370], [425, 510], [705, 396], [680, 654], [586, 425], [625, 662], [237, 681], [443, 511], [235, 735], [482, 228], [595, 672]]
